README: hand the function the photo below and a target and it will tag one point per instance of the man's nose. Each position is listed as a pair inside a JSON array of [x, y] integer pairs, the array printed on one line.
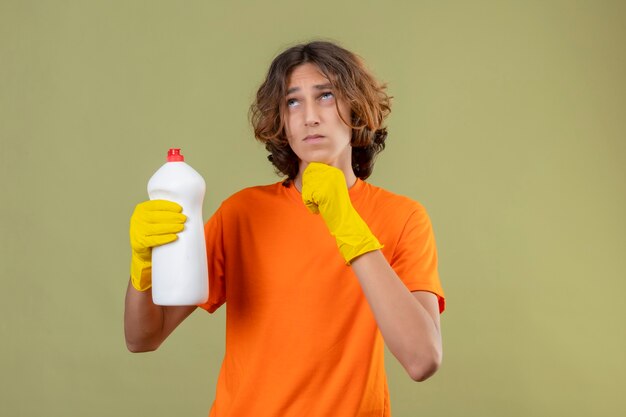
[[311, 116]]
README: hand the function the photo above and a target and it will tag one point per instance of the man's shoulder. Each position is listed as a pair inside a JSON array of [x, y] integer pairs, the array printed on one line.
[[252, 195], [383, 197]]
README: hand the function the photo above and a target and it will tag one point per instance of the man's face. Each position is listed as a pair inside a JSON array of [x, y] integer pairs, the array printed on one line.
[[314, 129]]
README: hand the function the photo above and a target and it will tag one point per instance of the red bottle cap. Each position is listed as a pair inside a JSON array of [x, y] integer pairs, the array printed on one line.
[[173, 155]]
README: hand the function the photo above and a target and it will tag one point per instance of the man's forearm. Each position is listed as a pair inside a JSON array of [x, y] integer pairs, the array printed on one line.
[[411, 331], [143, 321], [147, 325]]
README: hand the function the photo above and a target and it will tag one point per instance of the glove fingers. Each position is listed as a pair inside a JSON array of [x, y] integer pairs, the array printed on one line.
[[153, 229], [160, 205], [312, 206], [322, 183], [163, 217], [158, 240]]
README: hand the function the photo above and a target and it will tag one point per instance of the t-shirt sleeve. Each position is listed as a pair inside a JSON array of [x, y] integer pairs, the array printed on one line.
[[415, 256], [213, 233]]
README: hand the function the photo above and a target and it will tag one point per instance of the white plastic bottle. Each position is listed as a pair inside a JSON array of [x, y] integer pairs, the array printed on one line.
[[179, 268]]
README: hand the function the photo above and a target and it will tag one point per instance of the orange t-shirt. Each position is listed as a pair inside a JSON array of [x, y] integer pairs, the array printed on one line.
[[300, 337]]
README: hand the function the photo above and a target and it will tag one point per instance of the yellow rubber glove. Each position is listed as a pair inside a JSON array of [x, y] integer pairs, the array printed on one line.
[[324, 191], [153, 223]]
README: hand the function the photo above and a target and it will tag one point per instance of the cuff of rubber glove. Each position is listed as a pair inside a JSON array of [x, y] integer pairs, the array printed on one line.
[[351, 252], [141, 275]]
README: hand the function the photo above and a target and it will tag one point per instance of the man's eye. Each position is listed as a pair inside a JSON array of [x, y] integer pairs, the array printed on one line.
[[292, 102], [327, 95]]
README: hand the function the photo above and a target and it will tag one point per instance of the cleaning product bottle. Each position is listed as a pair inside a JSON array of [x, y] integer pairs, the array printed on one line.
[[179, 268]]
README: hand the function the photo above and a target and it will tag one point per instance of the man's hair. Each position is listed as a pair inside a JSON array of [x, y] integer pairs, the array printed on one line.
[[351, 81]]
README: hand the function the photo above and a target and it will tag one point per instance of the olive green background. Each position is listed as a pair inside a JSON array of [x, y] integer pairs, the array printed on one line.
[[508, 124]]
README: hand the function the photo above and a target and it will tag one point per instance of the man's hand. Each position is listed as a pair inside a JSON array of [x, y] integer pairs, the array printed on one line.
[[324, 191], [153, 223]]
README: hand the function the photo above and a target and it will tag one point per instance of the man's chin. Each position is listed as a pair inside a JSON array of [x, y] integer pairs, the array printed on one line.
[[319, 161]]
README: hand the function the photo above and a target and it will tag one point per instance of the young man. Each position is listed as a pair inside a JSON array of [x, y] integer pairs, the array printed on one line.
[[316, 271]]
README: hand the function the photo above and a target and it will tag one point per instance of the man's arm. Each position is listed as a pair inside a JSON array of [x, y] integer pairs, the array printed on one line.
[[408, 322], [147, 325]]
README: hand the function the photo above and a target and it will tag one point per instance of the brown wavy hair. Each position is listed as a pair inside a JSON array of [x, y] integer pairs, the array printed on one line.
[[351, 81]]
